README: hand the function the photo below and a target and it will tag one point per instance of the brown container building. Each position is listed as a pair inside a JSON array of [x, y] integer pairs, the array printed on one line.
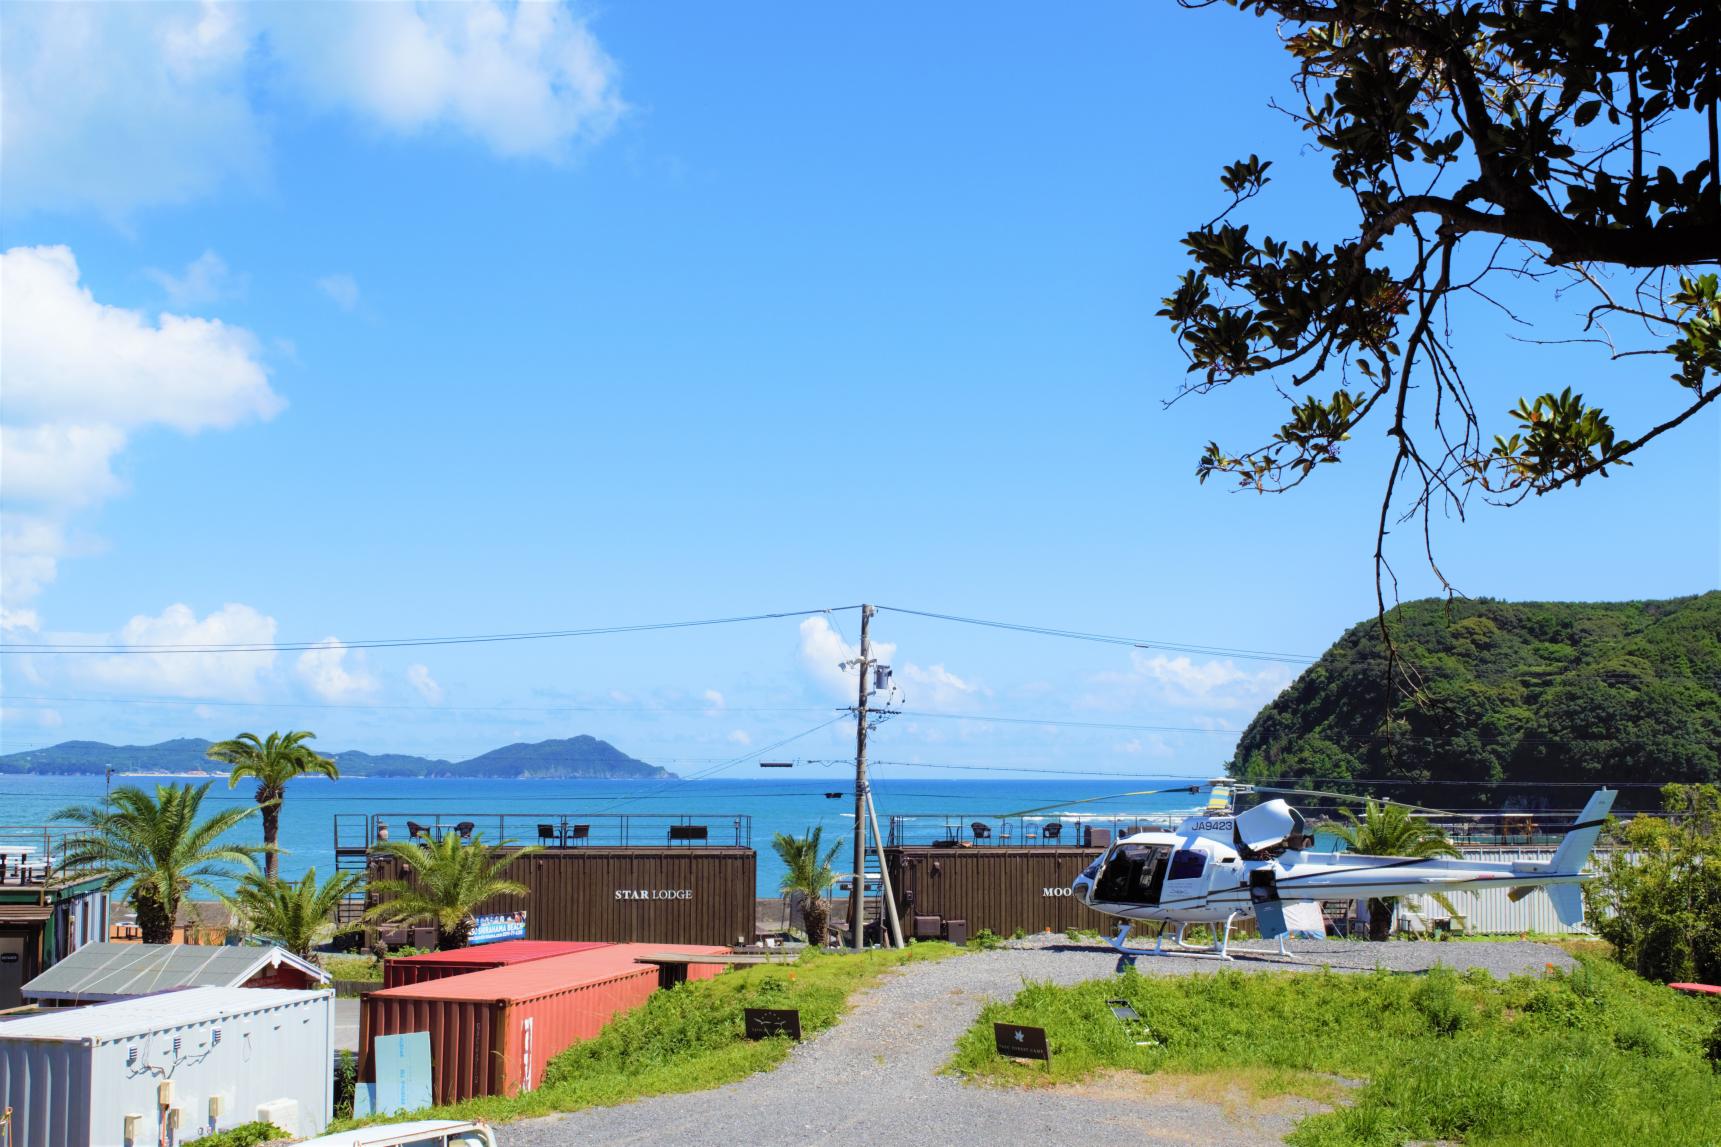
[[1000, 889], [616, 879], [492, 1032], [657, 895]]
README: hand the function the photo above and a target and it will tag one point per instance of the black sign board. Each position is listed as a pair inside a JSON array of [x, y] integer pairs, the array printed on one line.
[[1020, 1042], [763, 1023]]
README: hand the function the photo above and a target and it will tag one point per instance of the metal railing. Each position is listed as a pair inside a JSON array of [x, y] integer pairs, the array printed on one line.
[[964, 830], [31, 855], [360, 832]]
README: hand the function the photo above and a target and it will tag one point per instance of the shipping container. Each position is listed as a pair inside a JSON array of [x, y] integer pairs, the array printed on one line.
[[492, 1032], [156, 1070], [401, 970], [1001, 889], [674, 895]]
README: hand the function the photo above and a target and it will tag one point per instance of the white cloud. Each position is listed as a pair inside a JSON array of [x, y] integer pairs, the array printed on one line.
[[740, 737], [342, 288], [154, 669], [526, 79], [421, 680], [70, 359], [822, 649], [1183, 683], [713, 702], [325, 671], [206, 280], [935, 687], [122, 106], [80, 378]]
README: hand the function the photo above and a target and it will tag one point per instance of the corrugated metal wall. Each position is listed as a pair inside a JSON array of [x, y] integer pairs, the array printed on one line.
[[403, 970], [74, 1087], [1489, 911], [1001, 889], [47, 1085], [693, 895], [478, 1047]]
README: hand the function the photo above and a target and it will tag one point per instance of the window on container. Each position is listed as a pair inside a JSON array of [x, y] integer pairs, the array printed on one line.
[[1186, 865]]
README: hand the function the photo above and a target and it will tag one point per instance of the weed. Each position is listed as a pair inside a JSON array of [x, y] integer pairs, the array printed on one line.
[[1595, 1057], [691, 1037]]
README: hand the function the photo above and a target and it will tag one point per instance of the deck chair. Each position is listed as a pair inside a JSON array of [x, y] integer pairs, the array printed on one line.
[[547, 832], [464, 828], [416, 831], [1052, 831], [581, 832], [981, 832]]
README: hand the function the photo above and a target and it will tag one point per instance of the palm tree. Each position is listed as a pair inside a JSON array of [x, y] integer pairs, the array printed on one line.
[[272, 763], [293, 915], [1389, 830], [808, 873], [159, 847], [444, 882]]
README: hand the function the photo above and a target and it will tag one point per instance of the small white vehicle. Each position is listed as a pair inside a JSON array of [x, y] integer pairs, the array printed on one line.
[[418, 1133]]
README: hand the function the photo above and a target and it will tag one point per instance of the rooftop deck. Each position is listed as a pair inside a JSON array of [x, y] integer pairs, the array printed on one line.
[[31, 857], [965, 830], [357, 833]]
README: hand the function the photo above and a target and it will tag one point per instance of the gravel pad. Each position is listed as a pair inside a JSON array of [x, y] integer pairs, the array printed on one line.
[[874, 1075]]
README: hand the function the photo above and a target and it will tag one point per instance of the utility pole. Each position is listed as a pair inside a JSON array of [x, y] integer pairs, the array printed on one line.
[[857, 886]]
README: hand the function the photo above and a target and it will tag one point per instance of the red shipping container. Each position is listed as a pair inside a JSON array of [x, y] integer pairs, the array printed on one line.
[[492, 1032], [401, 970]]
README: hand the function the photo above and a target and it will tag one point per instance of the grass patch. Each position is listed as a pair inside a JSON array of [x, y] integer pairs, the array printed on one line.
[[690, 1038], [1595, 1057]]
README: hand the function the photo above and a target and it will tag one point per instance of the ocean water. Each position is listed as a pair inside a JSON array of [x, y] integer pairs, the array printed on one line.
[[774, 806]]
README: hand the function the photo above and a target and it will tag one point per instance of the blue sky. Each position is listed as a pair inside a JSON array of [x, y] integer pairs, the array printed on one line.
[[332, 323]]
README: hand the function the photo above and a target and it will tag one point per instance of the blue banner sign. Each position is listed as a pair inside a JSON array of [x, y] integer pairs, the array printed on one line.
[[490, 929]]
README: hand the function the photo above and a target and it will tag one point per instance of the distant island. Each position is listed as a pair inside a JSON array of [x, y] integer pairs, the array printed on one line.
[[568, 758], [1493, 700]]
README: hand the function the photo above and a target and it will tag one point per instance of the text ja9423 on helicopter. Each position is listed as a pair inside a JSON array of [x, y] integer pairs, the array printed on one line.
[[1219, 867]]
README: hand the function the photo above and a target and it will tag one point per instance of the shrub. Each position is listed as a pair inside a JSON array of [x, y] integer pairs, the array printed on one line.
[[1658, 901], [245, 1135]]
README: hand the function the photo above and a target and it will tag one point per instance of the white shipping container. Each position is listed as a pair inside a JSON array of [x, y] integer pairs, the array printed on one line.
[[160, 1070]]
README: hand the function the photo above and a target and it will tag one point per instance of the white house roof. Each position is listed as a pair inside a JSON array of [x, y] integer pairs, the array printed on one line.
[[110, 971], [126, 1019]]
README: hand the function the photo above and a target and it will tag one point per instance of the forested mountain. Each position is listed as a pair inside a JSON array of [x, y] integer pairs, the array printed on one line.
[[571, 757], [1492, 691]]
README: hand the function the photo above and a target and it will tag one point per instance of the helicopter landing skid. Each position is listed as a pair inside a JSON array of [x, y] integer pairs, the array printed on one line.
[[1222, 950]]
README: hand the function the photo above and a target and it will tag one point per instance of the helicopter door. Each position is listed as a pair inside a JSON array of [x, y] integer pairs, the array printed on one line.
[[1134, 874], [1186, 879]]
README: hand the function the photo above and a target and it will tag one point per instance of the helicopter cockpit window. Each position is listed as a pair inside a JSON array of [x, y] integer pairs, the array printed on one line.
[[1187, 864], [1134, 874]]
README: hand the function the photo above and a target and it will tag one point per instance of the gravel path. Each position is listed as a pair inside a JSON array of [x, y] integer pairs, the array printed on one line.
[[874, 1076]]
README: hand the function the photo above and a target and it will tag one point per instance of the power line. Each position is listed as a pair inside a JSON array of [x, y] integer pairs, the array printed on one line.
[[426, 708], [1069, 724], [408, 642], [1112, 639], [748, 756]]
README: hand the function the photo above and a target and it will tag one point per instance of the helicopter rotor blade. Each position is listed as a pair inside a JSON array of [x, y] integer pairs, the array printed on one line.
[[1353, 797], [1114, 796]]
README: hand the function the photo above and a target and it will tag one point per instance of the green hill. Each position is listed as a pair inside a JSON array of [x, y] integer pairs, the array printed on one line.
[[571, 757], [1493, 691]]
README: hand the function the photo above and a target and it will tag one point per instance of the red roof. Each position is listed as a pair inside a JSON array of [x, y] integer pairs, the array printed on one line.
[[535, 978], [1709, 989], [506, 952]]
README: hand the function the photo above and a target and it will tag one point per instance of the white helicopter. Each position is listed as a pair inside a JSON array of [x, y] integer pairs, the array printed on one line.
[[1221, 866]]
